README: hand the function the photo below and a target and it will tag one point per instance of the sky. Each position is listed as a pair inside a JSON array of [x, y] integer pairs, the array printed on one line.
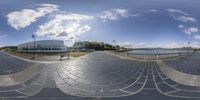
[[131, 23]]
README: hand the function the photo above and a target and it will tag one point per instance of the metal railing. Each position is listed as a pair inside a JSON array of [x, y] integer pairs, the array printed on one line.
[[146, 56]]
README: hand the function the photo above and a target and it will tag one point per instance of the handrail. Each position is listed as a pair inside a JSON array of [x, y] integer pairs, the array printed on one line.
[[153, 56], [156, 53]]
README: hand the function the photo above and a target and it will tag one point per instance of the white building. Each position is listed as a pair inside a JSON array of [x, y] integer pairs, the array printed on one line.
[[43, 46]]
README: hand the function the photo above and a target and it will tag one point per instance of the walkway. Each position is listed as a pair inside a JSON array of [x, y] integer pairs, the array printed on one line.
[[104, 76]]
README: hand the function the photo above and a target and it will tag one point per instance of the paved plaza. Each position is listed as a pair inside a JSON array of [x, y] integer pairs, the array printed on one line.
[[98, 76], [10, 65], [190, 65]]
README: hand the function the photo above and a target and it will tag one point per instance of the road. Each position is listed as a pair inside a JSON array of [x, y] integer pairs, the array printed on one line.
[[100, 75]]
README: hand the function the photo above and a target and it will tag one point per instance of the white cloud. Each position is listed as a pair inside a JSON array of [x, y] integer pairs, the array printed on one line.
[[65, 26], [135, 15], [114, 14], [197, 36], [186, 19], [193, 44], [3, 36], [190, 30], [132, 45], [23, 18], [173, 45], [48, 5], [177, 11], [152, 10], [181, 16], [179, 44], [181, 26]]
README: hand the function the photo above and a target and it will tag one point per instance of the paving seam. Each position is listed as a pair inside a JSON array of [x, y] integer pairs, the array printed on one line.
[[135, 80], [182, 76], [19, 73], [34, 61], [174, 86], [109, 96], [107, 85], [170, 94], [41, 86], [141, 83]]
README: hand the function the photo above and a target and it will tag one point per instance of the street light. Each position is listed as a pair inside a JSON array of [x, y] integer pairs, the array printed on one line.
[[34, 54], [188, 48], [114, 43], [68, 54]]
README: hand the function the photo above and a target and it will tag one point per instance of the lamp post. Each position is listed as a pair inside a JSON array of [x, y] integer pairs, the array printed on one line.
[[188, 48], [68, 54], [34, 54], [114, 43]]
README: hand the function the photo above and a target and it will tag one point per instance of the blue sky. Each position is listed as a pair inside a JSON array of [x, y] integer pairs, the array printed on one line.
[[138, 23]]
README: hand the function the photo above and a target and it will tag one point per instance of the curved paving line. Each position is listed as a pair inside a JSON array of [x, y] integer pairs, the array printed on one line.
[[135, 81], [60, 86], [137, 71], [26, 91], [178, 76], [178, 88], [18, 86], [171, 93], [157, 88], [59, 82], [143, 84], [40, 82], [176, 85], [78, 91], [11, 88], [19, 77]]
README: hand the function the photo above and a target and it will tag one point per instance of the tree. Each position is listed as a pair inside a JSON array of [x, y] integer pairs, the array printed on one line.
[[95, 45]]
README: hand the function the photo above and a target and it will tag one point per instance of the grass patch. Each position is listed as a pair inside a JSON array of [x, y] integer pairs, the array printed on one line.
[[77, 54], [30, 55], [19, 54]]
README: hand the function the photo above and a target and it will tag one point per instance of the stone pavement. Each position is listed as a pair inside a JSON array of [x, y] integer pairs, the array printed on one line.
[[189, 64], [99, 76], [9, 64]]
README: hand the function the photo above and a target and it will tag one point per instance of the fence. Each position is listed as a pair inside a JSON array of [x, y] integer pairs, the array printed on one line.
[[144, 56]]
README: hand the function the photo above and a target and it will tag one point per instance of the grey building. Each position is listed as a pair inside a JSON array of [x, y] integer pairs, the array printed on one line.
[[43, 46]]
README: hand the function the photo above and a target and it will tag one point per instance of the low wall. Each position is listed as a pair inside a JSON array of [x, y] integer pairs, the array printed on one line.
[[20, 77], [178, 76]]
